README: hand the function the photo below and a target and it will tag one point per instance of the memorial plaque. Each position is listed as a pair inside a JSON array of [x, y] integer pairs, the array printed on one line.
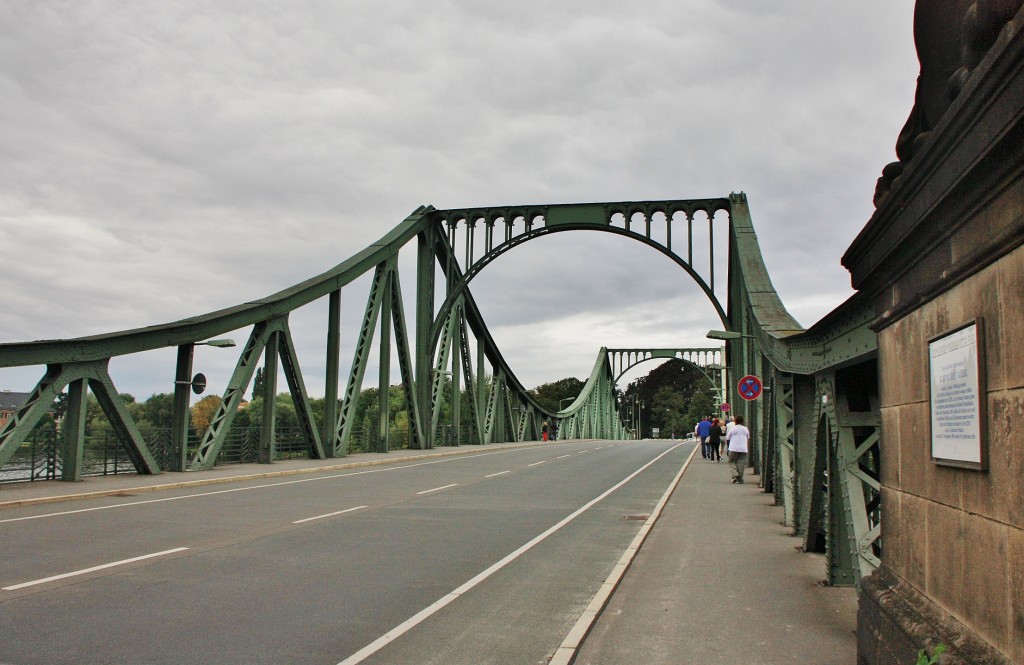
[[956, 370]]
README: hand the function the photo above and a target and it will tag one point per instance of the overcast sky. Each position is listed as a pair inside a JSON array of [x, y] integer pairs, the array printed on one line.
[[160, 160]]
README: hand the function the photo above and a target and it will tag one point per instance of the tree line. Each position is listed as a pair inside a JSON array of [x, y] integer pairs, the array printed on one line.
[[675, 395]]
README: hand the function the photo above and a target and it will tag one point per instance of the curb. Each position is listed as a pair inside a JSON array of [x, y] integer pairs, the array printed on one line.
[[566, 653]]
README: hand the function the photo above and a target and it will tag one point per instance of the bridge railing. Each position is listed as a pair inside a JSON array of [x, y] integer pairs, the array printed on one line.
[[817, 424]]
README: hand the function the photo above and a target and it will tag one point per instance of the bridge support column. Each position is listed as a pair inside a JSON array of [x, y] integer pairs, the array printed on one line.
[[268, 428], [73, 447], [178, 454], [330, 424]]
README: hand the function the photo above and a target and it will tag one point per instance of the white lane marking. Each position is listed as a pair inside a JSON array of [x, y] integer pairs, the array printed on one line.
[[583, 451], [537, 463], [252, 487], [15, 587], [437, 489], [563, 456], [500, 473], [441, 603], [320, 517], [601, 448]]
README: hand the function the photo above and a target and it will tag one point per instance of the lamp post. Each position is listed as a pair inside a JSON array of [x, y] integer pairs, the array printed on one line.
[[183, 381], [729, 336]]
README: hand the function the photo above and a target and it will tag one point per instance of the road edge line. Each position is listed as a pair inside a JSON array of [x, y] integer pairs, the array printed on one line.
[[567, 651]]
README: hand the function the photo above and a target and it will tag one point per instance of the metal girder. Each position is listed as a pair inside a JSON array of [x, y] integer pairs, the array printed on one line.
[[857, 471], [300, 398], [785, 436], [216, 434], [93, 374], [384, 363], [426, 388], [330, 442], [617, 218], [194, 329], [268, 426], [73, 445], [417, 438], [359, 361], [440, 371], [847, 504], [623, 360]]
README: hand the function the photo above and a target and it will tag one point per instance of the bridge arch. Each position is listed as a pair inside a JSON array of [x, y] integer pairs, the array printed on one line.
[[703, 359], [538, 221]]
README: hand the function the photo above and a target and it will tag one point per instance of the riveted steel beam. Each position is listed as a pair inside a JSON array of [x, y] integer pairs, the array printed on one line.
[[329, 441], [220, 424], [297, 389], [360, 360]]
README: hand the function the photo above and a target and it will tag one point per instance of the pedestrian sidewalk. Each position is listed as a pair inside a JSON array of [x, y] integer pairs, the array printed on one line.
[[720, 580]]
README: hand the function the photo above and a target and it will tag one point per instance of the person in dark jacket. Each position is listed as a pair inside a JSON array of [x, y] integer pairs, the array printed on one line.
[[715, 440]]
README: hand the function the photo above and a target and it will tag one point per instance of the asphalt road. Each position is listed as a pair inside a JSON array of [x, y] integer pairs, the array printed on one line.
[[485, 558]]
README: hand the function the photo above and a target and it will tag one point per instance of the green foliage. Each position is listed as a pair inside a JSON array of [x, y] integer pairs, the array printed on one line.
[[551, 395], [257, 384], [924, 659], [253, 412], [157, 411], [676, 395]]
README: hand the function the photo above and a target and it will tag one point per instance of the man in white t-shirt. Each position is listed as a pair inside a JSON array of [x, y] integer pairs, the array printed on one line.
[[738, 438], [729, 424]]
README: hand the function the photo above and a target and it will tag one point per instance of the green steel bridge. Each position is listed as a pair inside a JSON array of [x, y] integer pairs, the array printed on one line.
[[815, 425]]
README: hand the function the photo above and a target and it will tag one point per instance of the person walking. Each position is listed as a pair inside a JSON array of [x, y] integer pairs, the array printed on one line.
[[729, 424], [544, 430], [715, 440], [553, 430], [738, 438], [704, 431]]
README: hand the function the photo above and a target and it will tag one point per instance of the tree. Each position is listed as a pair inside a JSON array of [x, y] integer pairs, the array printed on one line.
[[157, 411], [257, 383], [692, 399], [551, 395], [204, 410]]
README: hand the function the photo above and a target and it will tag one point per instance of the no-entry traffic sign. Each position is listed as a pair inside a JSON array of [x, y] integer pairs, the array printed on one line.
[[749, 387]]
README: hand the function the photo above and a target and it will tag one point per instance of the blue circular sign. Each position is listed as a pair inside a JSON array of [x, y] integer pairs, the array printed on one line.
[[749, 387]]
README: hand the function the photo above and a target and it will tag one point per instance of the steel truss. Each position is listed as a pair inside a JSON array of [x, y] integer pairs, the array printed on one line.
[[816, 427]]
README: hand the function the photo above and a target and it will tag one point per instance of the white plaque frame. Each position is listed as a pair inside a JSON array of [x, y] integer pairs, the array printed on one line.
[[957, 400]]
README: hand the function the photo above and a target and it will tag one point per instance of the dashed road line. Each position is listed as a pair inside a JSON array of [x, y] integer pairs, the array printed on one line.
[[437, 489], [15, 587], [338, 512]]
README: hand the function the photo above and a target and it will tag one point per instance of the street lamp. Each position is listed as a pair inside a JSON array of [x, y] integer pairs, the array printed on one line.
[[183, 380], [727, 335], [219, 343]]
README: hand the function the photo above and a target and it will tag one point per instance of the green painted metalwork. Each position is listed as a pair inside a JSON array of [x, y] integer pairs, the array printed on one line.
[[269, 424], [57, 377], [786, 487], [182, 390], [220, 424], [297, 389], [451, 357], [359, 362], [74, 434], [330, 440]]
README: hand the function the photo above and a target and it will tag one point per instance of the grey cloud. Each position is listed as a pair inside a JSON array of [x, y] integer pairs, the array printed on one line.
[[163, 160]]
